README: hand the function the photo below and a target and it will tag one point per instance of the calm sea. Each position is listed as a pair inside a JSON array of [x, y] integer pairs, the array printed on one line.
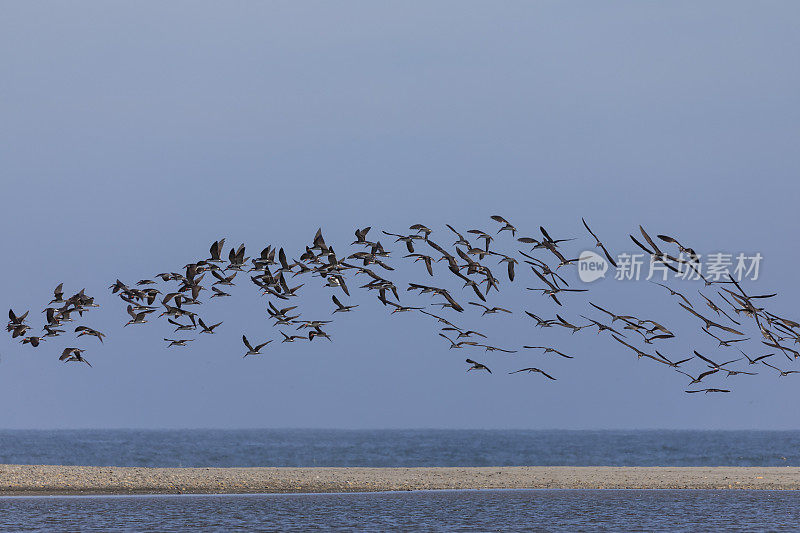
[[530, 510], [299, 447]]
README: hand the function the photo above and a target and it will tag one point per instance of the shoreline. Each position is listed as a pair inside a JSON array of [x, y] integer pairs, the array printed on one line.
[[51, 480]]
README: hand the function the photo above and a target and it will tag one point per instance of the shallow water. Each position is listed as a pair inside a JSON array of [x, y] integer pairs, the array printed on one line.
[[296, 447], [528, 510]]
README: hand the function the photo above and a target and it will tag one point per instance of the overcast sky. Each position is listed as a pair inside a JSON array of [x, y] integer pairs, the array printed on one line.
[[134, 135]]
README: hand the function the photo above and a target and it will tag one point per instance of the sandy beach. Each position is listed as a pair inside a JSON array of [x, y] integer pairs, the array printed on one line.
[[75, 480]]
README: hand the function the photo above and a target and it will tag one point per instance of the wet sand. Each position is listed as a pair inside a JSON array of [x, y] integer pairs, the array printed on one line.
[[75, 480]]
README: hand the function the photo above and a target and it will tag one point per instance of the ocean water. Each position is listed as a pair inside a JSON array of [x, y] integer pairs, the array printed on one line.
[[381, 448], [528, 510]]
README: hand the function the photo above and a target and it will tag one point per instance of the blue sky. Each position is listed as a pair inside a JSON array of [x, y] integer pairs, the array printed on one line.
[[135, 135]]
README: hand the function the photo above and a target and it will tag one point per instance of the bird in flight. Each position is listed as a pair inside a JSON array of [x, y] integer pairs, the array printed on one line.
[[532, 369], [548, 349], [177, 342], [599, 244], [253, 350], [477, 366]]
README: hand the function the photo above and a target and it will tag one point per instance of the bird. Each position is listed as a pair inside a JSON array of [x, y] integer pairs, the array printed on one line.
[[460, 344], [683, 249], [716, 366], [602, 327], [312, 334], [136, 318], [33, 341], [183, 327], [782, 373], [673, 292], [699, 378], [489, 310], [218, 293], [177, 342], [292, 338], [73, 355], [724, 342], [548, 349], [710, 323], [707, 390], [84, 330], [58, 294], [532, 369], [488, 348], [207, 329], [599, 244], [403, 308], [541, 322], [507, 225], [340, 307], [713, 306], [757, 359], [640, 353], [253, 350], [216, 251], [477, 366], [613, 316], [461, 333]]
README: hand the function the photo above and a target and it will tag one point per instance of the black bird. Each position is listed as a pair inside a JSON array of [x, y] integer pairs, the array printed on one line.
[[548, 349], [713, 306], [640, 353], [253, 350], [73, 355], [689, 251], [541, 322], [207, 329], [737, 372], [782, 373], [699, 378], [218, 293], [216, 251], [459, 344], [495, 349], [676, 364], [707, 390], [341, 308], [710, 323], [506, 227], [613, 316], [58, 294], [136, 318], [655, 254], [600, 244], [477, 366], [183, 327], [602, 327], [757, 359], [713, 365], [84, 330], [489, 310], [532, 369], [462, 333], [292, 338], [33, 341], [177, 342], [674, 293], [722, 342]]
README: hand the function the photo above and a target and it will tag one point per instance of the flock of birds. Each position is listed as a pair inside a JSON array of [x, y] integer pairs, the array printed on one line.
[[721, 312]]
